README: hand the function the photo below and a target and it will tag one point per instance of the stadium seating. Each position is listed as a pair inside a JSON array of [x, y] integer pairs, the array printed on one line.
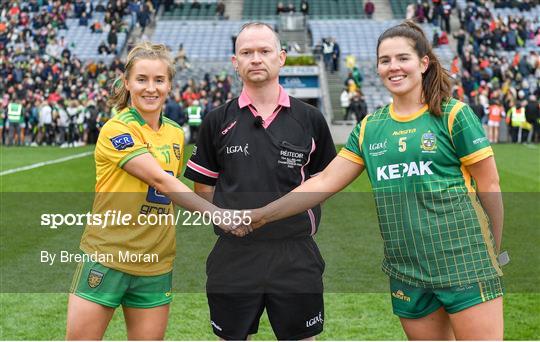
[[399, 7], [359, 37], [206, 11], [202, 40], [84, 44], [318, 9]]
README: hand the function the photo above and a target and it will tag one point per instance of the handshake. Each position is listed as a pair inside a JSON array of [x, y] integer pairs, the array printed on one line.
[[238, 222]]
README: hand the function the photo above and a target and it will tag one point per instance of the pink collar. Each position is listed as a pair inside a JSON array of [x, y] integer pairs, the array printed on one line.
[[283, 99]]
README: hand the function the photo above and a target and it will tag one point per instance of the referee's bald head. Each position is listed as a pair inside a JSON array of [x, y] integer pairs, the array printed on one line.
[[258, 25]]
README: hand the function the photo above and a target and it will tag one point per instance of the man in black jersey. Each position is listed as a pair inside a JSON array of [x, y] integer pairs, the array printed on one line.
[[251, 151]]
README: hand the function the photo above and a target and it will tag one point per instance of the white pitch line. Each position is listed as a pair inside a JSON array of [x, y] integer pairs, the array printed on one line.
[[49, 162]]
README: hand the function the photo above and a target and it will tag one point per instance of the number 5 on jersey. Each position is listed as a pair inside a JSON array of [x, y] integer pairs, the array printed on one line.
[[402, 144]]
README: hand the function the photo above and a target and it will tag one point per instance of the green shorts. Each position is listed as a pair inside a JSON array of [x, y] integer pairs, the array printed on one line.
[[416, 302], [109, 287]]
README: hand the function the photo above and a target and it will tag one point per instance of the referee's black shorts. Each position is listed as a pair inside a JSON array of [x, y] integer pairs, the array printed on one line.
[[283, 276]]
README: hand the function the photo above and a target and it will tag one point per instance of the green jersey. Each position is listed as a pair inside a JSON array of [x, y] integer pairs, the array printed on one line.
[[435, 232]]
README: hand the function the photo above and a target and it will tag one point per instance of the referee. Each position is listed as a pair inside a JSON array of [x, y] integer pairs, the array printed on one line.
[[249, 152]]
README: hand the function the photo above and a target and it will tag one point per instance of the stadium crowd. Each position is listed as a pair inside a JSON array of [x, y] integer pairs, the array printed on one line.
[[52, 97], [493, 69]]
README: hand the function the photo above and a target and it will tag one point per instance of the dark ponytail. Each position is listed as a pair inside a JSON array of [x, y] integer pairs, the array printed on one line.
[[436, 83]]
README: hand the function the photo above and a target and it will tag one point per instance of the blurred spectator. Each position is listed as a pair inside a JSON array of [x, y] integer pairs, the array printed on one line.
[[280, 8], [358, 106], [195, 5], [290, 8], [195, 116], [517, 121], [443, 38], [410, 11], [83, 21], [532, 114], [446, 13], [369, 9], [173, 110], [328, 51], [103, 49], [181, 58], [495, 115], [345, 101], [304, 7], [220, 9], [336, 55]]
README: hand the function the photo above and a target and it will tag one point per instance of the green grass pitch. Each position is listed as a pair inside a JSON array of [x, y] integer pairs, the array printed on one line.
[[357, 303]]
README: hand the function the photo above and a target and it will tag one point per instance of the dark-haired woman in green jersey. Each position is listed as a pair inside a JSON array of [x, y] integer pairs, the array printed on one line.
[[437, 195]]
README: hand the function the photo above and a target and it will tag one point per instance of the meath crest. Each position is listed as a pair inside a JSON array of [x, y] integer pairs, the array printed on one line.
[[429, 142], [94, 278], [177, 151]]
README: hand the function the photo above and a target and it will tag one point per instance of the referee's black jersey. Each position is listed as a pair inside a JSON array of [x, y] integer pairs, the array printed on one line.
[[252, 162]]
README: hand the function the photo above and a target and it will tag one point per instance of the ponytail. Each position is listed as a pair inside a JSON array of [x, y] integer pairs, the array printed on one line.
[[436, 83], [119, 97]]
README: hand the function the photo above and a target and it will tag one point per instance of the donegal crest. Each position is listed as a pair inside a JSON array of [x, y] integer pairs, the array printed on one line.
[[177, 151], [94, 278]]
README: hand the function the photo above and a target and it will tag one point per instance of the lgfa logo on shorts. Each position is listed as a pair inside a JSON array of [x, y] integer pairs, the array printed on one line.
[[400, 295], [317, 319]]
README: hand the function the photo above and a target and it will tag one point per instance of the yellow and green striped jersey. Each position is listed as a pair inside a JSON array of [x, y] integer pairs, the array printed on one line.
[[435, 232], [121, 139]]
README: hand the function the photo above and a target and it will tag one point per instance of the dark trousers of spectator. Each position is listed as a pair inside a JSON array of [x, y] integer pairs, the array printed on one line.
[[49, 134], [93, 133], [335, 64], [520, 135], [536, 132], [73, 133], [14, 133], [327, 61], [347, 111], [61, 135], [359, 116], [193, 133], [446, 21]]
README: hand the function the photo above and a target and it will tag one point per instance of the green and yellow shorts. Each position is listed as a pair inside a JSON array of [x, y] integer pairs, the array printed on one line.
[[416, 302], [106, 286]]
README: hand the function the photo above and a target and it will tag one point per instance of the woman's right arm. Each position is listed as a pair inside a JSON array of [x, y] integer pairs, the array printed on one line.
[[147, 169], [336, 176]]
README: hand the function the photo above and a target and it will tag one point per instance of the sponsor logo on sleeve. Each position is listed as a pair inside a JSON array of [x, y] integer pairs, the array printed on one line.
[[177, 151], [122, 141], [479, 140]]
